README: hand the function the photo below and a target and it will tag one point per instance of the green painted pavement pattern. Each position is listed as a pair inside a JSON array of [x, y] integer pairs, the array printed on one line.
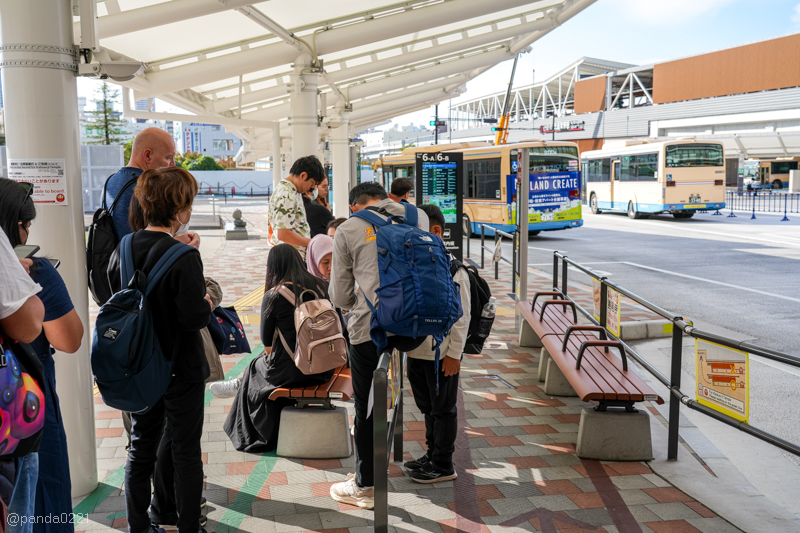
[[114, 481]]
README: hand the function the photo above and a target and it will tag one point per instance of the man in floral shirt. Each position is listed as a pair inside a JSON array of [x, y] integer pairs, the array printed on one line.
[[287, 216]]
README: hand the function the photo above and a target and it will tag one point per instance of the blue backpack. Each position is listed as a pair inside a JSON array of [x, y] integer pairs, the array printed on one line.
[[129, 367], [417, 296]]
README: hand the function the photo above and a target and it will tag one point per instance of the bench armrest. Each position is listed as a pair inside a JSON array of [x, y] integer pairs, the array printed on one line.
[[601, 332], [544, 293], [606, 344], [562, 303]]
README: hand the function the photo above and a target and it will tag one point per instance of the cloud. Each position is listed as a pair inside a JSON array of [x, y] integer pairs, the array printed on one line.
[[662, 12], [796, 16]]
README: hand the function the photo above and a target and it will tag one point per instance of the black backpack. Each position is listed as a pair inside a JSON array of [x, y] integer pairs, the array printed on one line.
[[480, 293], [101, 243]]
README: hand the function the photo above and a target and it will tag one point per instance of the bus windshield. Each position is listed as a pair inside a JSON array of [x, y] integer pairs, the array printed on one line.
[[694, 155], [550, 159]]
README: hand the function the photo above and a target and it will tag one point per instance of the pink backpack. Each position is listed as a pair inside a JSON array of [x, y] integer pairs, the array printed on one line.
[[320, 346]]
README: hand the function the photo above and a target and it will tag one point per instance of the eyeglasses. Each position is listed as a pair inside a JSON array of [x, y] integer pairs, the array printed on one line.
[[28, 187]]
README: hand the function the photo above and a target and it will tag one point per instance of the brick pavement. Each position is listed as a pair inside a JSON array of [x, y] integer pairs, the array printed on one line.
[[515, 456]]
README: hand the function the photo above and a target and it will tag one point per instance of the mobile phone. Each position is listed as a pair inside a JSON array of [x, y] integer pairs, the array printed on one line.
[[25, 251], [54, 262]]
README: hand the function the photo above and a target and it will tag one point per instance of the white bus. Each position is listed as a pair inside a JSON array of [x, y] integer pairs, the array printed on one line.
[[643, 178]]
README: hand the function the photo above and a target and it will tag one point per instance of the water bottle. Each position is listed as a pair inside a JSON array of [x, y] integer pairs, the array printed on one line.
[[487, 318]]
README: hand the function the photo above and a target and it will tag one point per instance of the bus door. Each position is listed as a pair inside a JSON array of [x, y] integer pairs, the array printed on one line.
[[614, 180], [763, 174]]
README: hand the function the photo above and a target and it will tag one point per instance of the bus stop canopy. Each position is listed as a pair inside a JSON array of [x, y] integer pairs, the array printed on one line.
[[237, 63]]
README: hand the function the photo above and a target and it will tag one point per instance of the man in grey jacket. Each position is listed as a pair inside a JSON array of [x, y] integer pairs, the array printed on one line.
[[355, 261]]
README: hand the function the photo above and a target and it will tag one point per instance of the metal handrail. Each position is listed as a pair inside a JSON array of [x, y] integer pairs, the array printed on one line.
[[673, 383], [498, 240], [384, 432]]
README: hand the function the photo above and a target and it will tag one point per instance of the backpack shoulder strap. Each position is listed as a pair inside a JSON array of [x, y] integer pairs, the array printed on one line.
[[412, 217], [287, 293], [371, 217], [127, 270], [132, 181], [170, 257], [455, 264]]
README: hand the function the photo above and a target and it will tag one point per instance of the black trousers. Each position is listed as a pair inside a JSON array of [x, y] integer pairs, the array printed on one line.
[[441, 414], [179, 414], [363, 362]]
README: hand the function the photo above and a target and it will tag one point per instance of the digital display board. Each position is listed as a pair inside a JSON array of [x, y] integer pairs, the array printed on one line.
[[439, 180]]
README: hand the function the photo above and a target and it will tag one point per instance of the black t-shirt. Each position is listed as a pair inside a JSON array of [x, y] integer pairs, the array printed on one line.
[[177, 303], [318, 216]]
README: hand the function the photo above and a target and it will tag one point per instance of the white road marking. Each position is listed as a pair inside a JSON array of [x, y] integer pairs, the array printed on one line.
[[748, 289], [721, 234]]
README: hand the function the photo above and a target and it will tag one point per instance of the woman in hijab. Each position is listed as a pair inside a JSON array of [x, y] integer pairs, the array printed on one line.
[[319, 255]]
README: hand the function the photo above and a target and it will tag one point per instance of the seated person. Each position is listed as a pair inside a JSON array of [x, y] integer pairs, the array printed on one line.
[[319, 257], [253, 422]]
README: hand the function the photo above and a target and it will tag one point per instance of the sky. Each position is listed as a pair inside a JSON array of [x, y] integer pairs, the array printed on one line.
[[639, 32]]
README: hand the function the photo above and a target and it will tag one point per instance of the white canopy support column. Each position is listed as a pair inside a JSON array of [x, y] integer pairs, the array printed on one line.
[[41, 119], [277, 168], [340, 160], [304, 120]]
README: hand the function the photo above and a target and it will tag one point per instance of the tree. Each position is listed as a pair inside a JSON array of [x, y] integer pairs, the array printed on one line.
[[104, 122], [128, 148], [186, 160], [206, 163]]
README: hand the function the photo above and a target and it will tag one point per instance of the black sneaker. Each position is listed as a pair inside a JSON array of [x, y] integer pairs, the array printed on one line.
[[174, 527], [203, 502], [418, 464], [431, 473]]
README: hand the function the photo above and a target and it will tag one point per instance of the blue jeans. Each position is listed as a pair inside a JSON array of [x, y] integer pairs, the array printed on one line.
[[24, 496]]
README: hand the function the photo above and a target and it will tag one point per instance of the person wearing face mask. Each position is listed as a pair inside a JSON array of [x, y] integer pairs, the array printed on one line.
[[180, 309], [318, 215]]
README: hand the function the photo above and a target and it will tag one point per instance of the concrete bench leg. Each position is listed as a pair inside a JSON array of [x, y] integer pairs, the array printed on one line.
[[614, 436], [314, 433], [544, 357], [555, 384], [527, 337]]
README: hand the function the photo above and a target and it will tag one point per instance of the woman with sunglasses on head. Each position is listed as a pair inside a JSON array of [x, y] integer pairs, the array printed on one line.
[[62, 330]]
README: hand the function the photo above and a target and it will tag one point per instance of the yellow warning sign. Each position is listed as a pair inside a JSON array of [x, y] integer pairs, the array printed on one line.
[[721, 375]]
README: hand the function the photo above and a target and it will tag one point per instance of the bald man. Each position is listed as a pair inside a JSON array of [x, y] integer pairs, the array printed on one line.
[[152, 148]]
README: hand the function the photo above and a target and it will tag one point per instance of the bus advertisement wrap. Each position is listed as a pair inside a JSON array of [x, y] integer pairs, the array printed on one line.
[[553, 197]]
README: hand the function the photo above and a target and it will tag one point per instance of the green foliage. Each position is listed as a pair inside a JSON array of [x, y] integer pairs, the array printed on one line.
[[186, 160], [204, 163], [105, 123], [128, 148]]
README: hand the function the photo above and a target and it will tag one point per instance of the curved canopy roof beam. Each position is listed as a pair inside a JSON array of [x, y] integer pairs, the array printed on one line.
[[335, 40]]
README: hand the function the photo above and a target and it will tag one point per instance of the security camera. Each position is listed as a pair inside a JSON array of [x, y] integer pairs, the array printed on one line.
[[115, 70]]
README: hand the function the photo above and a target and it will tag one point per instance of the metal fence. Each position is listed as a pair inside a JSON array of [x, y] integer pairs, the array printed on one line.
[[386, 430], [763, 201], [673, 383]]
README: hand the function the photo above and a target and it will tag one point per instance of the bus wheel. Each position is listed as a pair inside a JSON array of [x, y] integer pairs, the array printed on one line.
[[467, 226], [634, 214], [593, 205], [777, 184], [534, 233]]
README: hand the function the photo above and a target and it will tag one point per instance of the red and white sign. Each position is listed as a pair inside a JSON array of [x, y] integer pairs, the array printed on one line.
[[48, 177]]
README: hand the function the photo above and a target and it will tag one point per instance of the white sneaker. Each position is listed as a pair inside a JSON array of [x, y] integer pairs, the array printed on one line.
[[225, 389], [349, 492]]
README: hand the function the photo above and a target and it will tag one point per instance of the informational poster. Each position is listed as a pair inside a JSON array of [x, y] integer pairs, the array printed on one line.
[[439, 181], [596, 298], [48, 177], [613, 312], [553, 196], [722, 379]]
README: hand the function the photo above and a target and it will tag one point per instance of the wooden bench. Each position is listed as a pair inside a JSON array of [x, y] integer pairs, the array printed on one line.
[[314, 428], [580, 360]]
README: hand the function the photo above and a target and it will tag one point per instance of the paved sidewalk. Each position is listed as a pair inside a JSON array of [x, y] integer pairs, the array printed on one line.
[[515, 451]]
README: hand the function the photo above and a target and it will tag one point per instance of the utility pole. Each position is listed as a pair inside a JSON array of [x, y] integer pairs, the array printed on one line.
[[436, 130], [554, 124]]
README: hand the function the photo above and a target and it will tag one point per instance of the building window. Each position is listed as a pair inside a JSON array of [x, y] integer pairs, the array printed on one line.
[[223, 145], [483, 179], [643, 167]]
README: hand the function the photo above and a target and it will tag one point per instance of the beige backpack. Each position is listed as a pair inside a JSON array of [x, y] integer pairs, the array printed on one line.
[[320, 343]]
